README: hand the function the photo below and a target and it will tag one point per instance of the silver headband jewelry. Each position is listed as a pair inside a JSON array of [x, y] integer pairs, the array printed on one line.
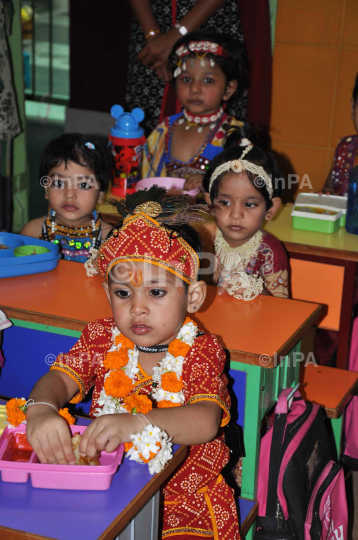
[[239, 165]]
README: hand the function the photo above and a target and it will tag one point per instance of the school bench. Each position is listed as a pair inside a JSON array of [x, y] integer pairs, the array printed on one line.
[[332, 388]]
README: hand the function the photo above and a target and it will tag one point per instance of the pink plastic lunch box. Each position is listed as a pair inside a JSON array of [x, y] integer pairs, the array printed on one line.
[[58, 476]]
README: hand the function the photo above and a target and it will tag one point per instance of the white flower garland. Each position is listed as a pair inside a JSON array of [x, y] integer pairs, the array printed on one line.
[[152, 438]]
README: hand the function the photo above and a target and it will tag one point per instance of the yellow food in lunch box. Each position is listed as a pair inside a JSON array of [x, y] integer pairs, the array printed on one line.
[[315, 210]]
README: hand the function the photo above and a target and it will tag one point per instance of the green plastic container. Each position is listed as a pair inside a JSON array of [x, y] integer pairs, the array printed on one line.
[[23, 251], [316, 225], [328, 202], [316, 222]]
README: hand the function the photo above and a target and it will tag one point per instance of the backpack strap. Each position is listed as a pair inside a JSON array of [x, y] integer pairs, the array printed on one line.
[[275, 462], [279, 426]]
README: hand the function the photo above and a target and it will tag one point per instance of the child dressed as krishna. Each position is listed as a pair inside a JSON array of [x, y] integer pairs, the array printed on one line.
[[156, 378]]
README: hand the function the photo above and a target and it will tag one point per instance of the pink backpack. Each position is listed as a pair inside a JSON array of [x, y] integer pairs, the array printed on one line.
[[350, 454], [301, 491]]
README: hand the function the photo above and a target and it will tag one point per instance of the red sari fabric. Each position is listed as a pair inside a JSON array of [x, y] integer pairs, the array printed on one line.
[[197, 501]]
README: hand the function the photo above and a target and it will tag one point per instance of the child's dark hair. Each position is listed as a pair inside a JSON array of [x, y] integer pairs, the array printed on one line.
[[233, 65], [233, 151], [81, 149], [355, 89]]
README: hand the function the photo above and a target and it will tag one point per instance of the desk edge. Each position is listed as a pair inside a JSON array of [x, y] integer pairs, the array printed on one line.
[[14, 534], [319, 252], [41, 318], [143, 496], [250, 518], [273, 361]]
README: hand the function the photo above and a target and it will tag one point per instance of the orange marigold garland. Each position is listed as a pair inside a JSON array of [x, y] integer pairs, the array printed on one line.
[[15, 411], [167, 376], [124, 342], [67, 416], [138, 403], [122, 362], [165, 404], [16, 408], [171, 383], [127, 446], [178, 348], [116, 359], [152, 445], [118, 384]]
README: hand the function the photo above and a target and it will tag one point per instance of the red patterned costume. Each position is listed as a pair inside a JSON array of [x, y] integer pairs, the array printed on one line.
[[197, 501], [272, 264]]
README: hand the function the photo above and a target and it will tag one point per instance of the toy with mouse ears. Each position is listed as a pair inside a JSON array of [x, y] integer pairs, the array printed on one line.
[[126, 141]]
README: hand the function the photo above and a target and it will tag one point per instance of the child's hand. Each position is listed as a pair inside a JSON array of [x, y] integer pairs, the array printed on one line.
[[108, 432], [326, 191], [49, 435], [266, 292], [221, 275], [193, 181], [221, 285]]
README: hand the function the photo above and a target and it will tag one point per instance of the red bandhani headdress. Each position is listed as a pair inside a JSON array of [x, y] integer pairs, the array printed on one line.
[[143, 239]]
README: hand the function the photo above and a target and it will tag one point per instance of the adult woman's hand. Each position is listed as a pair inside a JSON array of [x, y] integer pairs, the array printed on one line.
[[163, 73], [155, 53]]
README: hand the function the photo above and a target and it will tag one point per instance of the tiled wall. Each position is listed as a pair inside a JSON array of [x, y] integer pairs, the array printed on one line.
[[314, 67]]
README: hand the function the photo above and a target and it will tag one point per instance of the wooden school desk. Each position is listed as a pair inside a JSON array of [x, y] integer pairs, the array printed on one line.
[[324, 270], [130, 507], [50, 310]]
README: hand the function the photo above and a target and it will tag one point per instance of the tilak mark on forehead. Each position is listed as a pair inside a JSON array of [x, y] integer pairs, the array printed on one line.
[[136, 277]]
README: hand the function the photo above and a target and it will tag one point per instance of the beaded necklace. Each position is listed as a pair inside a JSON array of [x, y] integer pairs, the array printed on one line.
[[173, 164], [232, 258], [240, 285], [74, 241]]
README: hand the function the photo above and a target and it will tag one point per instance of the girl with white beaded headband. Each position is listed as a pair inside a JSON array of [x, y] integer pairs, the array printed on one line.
[[207, 72], [242, 189]]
